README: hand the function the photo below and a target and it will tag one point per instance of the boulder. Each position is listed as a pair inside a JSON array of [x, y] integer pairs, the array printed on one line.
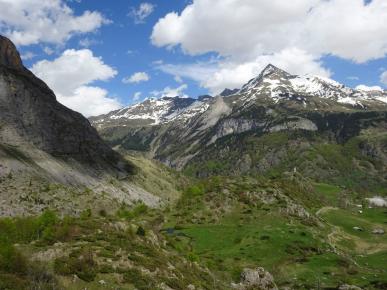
[[378, 231], [256, 279]]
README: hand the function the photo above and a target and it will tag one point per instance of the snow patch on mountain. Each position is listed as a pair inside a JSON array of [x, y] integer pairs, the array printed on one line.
[[162, 110]]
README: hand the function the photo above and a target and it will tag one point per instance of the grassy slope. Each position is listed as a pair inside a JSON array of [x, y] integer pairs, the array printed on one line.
[[50, 251], [298, 252], [157, 178]]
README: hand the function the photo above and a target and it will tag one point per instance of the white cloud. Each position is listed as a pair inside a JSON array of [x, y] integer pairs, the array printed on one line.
[[368, 88], [353, 78], [136, 96], [294, 35], [383, 78], [28, 55], [137, 77], [87, 42], [178, 79], [219, 75], [90, 101], [142, 12], [52, 21], [48, 50], [251, 28], [70, 76], [171, 92]]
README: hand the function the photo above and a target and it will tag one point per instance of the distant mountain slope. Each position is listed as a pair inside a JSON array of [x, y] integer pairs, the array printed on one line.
[[43, 142], [213, 139]]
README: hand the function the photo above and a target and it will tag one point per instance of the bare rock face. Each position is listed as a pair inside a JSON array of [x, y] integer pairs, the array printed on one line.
[[31, 115], [256, 279], [9, 56]]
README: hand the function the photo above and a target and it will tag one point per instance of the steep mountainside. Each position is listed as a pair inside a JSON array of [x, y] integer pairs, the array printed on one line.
[[43, 143], [274, 123]]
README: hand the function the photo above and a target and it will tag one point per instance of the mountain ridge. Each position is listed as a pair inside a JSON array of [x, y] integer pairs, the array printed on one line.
[[275, 103], [272, 84]]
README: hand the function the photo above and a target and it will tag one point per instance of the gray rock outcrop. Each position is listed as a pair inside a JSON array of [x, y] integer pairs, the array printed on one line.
[[31, 115], [256, 279]]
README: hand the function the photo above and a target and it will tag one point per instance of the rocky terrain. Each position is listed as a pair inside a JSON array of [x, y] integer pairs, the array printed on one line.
[[44, 145]]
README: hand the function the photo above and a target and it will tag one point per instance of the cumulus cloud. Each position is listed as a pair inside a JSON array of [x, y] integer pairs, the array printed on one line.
[[90, 101], [383, 78], [48, 50], [142, 12], [217, 75], [171, 92], [136, 96], [247, 29], [28, 55], [70, 76], [137, 77], [52, 21], [245, 34]]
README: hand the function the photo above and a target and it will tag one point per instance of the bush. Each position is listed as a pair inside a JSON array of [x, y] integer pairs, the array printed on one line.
[[195, 190], [81, 264], [11, 260], [85, 214], [129, 214], [140, 231], [135, 277], [10, 281]]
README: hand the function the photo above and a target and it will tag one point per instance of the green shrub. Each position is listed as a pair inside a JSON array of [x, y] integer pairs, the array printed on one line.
[[137, 278], [136, 211], [86, 214], [140, 231], [11, 281], [81, 264], [11, 260]]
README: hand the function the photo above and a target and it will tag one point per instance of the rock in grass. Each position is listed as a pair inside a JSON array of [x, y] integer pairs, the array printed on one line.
[[378, 231], [349, 287], [257, 278]]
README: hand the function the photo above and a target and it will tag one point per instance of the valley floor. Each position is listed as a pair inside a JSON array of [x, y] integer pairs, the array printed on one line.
[[307, 235]]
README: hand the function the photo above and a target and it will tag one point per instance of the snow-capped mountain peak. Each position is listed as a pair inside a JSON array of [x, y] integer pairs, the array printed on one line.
[[156, 111], [272, 85], [278, 85]]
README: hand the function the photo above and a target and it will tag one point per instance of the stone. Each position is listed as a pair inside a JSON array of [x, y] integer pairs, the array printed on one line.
[[257, 278], [102, 282], [349, 287], [378, 231]]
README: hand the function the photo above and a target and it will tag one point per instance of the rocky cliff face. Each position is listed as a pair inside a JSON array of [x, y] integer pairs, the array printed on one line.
[[30, 114], [51, 156]]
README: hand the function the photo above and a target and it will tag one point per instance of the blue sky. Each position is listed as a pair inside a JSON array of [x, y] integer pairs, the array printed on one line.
[[191, 47]]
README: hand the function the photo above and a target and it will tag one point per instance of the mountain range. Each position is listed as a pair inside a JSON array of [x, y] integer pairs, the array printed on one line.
[[257, 128], [273, 85]]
